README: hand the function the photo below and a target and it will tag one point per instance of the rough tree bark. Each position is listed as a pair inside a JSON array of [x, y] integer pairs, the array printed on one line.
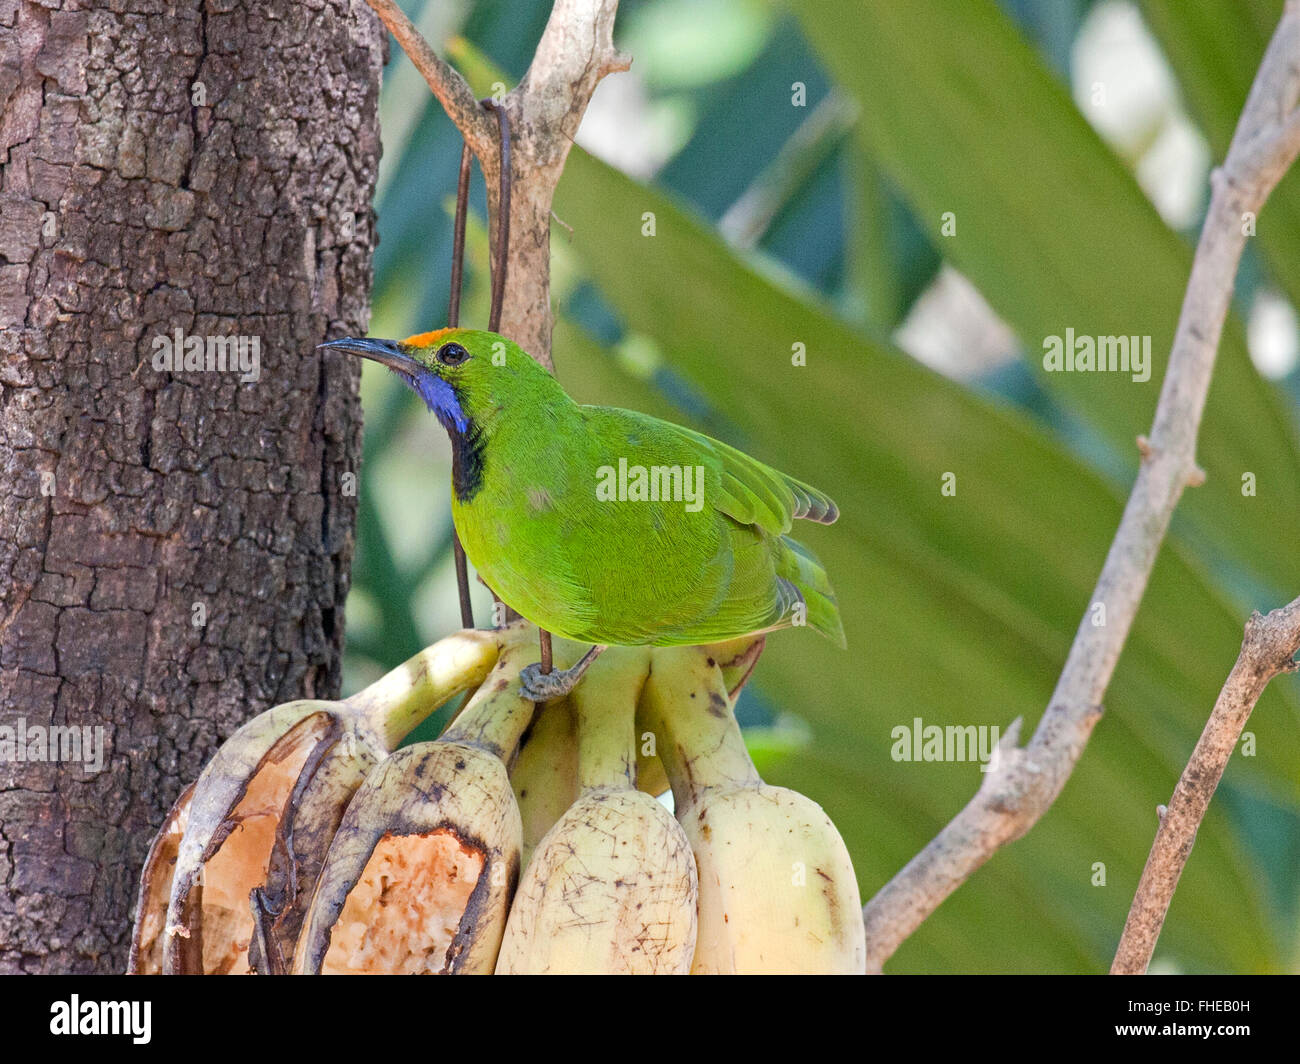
[[207, 166]]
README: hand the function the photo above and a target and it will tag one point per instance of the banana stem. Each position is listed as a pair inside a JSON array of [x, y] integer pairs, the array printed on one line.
[[737, 658], [397, 702], [497, 714], [606, 707], [685, 702]]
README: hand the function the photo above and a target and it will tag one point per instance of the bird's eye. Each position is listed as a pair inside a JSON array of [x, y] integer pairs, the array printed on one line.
[[451, 354]]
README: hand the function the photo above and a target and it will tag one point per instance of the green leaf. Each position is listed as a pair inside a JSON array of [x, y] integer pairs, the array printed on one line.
[[958, 609], [890, 263], [1056, 234]]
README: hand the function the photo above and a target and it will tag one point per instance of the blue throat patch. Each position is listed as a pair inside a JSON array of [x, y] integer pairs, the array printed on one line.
[[467, 443], [440, 397]]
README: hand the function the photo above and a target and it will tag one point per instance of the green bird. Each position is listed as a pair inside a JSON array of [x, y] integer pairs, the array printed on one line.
[[606, 526]]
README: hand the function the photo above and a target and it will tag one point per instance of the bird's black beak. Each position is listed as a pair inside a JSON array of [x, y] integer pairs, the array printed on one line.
[[387, 352]]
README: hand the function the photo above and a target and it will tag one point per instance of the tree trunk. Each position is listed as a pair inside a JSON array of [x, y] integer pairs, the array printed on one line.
[[174, 541]]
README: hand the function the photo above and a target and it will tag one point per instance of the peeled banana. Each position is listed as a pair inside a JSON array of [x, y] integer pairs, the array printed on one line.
[[228, 878], [419, 877]]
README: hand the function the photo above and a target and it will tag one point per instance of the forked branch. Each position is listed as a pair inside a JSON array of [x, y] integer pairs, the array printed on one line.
[[1026, 780], [576, 50]]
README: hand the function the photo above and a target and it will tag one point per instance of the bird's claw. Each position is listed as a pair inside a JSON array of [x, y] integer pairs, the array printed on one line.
[[538, 686]]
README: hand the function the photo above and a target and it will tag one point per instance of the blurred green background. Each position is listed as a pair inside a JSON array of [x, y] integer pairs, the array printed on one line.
[[800, 161]]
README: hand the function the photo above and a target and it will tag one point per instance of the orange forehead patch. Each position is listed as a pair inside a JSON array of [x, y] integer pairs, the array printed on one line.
[[428, 339]]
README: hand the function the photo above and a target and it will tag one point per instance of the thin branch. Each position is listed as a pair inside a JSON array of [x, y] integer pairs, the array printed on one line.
[[451, 90], [1268, 649], [1025, 781], [576, 50]]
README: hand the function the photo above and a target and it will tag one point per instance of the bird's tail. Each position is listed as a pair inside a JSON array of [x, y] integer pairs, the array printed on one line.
[[800, 566]]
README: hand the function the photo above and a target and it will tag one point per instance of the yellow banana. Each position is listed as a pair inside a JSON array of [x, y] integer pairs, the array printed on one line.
[[737, 659], [777, 892], [650, 774], [307, 843], [419, 876], [612, 886], [545, 773]]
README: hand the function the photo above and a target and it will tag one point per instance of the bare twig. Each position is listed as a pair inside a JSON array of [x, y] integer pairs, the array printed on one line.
[[576, 50], [459, 558], [452, 91], [1268, 649], [1025, 781]]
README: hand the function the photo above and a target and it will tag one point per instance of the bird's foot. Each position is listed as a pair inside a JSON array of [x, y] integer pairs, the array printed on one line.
[[547, 686]]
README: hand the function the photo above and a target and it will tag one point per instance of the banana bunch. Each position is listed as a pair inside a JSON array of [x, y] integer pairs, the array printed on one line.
[[526, 839]]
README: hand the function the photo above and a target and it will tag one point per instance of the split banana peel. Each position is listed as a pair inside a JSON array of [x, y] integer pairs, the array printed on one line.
[[526, 839], [228, 880]]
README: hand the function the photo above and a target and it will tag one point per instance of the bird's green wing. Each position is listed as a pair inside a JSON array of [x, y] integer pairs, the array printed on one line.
[[747, 491], [756, 494]]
